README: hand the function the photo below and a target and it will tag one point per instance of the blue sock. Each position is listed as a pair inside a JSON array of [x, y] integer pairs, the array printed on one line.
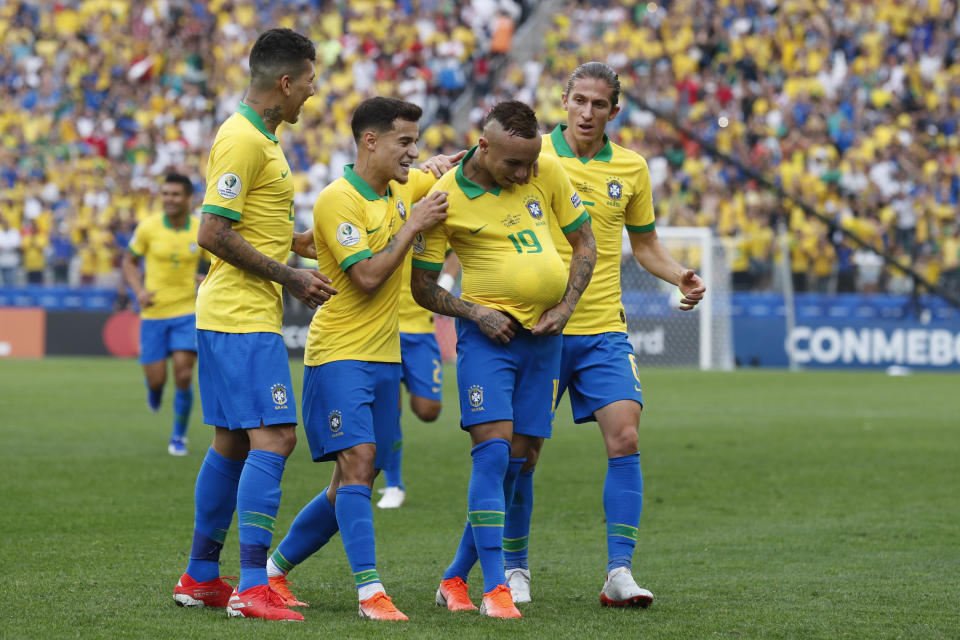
[[258, 498], [154, 396], [516, 529], [215, 499], [393, 467], [622, 504], [355, 517], [485, 507], [182, 404], [465, 558], [311, 529]]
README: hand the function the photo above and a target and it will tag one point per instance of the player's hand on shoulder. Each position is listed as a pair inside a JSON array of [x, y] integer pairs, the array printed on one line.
[[693, 289], [429, 211], [496, 325], [145, 299], [440, 164], [553, 320], [310, 287]]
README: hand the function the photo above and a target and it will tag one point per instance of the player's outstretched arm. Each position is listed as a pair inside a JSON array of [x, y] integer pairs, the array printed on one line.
[[584, 258], [217, 236], [372, 272], [495, 325], [655, 258]]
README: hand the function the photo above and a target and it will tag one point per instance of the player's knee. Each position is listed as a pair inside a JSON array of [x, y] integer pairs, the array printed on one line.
[[183, 379], [357, 464], [622, 442], [426, 410]]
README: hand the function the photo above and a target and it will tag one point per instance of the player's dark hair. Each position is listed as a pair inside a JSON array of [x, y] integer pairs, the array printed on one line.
[[278, 53], [515, 117], [179, 178], [377, 115], [600, 71]]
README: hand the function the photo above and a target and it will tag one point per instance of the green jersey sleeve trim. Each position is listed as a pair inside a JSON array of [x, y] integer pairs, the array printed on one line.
[[573, 226], [355, 258], [642, 228], [138, 255], [429, 266], [221, 211]]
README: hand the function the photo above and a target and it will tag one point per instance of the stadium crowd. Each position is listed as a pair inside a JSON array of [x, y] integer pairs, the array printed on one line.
[[850, 107]]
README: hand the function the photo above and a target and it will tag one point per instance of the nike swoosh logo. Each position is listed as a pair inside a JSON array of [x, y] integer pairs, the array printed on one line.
[[283, 174], [478, 230], [374, 230]]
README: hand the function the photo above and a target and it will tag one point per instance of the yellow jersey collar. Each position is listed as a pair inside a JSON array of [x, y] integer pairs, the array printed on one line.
[[564, 151], [361, 185], [470, 188], [247, 112]]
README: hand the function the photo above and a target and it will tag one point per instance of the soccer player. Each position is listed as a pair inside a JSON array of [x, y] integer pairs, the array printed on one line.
[[167, 244], [245, 387], [364, 224], [598, 365], [422, 372], [517, 296]]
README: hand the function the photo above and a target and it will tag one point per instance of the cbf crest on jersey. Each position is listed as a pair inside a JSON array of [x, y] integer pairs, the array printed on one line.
[[402, 210], [534, 207], [614, 189], [475, 394], [279, 394], [336, 420]]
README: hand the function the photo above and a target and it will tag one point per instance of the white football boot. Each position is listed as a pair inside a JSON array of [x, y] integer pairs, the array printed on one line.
[[392, 497], [621, 590], [519, 582]]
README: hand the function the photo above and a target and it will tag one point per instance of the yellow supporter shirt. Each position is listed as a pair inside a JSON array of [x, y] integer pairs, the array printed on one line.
[[170, 259], [351, 223], [503, 239], [249, 182], [615, 187]]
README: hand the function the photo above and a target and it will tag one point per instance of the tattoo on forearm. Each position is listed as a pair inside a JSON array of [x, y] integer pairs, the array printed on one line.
[[430, 295], [234, 249], [581, 267]]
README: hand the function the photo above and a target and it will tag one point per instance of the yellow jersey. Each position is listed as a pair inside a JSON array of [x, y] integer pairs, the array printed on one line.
[[615, 187], [503, 239], [413, 317], [351, 222], [249, 182], [170, 258]]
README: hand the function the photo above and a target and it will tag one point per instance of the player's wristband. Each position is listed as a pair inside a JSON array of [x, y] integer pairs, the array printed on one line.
[[446, 281]]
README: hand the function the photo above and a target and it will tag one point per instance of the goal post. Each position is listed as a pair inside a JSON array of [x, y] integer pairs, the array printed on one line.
[[660, 333]]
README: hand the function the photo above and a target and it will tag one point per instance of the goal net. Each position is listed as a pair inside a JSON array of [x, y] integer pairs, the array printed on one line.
[[660, 333]]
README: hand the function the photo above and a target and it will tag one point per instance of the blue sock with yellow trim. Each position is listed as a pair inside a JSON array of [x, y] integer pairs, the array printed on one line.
[[622, 504], [311, 529], [182, 404], [355, 517], [485, 507], [393, 466], [258, 499], [215, 498], [465, 558], [516, 530]]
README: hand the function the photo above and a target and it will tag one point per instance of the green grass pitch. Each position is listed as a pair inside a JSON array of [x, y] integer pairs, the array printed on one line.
[[777, 505]]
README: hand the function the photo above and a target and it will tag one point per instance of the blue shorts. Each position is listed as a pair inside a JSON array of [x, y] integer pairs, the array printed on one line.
[[159, 338], [598, 370], [515, 381], [351, 402], [422, 367], [244, 380]]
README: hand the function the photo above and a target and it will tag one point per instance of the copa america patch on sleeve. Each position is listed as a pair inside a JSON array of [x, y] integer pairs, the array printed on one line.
[[347, 234], [229, 186]]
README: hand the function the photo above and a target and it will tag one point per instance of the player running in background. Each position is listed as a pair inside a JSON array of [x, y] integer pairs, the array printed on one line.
[[245, 386], [364, 223], [517, 296], [422, 372], [598, 363], [167, 292]]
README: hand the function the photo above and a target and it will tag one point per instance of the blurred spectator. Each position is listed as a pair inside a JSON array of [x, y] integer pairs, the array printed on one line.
[[9, 253]]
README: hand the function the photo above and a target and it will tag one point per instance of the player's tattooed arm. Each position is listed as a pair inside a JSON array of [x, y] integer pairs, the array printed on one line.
[[495, 325], [582, 263], [217, 236]]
